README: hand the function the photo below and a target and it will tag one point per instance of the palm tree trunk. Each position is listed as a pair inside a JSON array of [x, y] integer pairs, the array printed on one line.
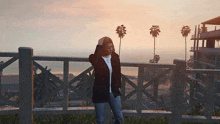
[[154, 46], [185, 49], [120, 47]]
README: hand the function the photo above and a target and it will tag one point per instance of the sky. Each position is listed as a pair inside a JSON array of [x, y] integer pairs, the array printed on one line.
[[73, 27]]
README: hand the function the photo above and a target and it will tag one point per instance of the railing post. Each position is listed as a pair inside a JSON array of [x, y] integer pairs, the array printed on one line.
[[217, 66], [47, 86], [155, 84], [209, 96], [139, 91], [1, 63], [25, 85], [192, 94], [177, 92], [122, 90], [66, 84], [217, 61]]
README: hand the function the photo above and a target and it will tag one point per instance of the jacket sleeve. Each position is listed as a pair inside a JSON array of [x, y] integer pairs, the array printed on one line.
[[94, 58]]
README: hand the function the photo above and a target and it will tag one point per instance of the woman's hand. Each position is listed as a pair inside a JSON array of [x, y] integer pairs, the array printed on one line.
[[119, 89], [101, 41]]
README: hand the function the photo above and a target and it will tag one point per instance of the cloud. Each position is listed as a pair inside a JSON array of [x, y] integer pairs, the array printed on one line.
[[74, 8], [85, 21]]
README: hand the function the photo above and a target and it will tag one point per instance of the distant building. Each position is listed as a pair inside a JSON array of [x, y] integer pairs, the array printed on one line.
[[206, 56]]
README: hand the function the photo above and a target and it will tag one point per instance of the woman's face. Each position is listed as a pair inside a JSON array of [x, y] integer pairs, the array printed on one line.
[[108, 49]]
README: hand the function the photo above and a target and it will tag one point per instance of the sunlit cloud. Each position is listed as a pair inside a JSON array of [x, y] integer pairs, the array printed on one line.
[[73, 8], [81, 22]]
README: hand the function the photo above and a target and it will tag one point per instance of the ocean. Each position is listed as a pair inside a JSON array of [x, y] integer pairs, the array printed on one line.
[[166, 57]]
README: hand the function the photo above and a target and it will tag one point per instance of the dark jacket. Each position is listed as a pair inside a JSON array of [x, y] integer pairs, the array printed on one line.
[[101, 83]]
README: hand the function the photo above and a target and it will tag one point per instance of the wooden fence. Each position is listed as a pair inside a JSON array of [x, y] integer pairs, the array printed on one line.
[[27, 107]]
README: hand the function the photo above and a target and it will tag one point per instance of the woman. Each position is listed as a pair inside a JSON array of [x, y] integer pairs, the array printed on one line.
[[107, 82]]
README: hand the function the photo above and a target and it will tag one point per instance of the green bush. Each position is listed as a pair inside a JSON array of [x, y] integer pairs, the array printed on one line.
[[9, 119], [85, 119]]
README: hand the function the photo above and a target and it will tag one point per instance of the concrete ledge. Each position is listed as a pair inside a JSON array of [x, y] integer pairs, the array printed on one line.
[[155, 113], [9, 110], [59, 110], [130, 113], [147, 113], [201, 119]]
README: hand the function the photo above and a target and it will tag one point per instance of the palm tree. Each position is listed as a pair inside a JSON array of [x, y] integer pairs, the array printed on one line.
[[121, 33], [202, 30], [154, 31], [185, 31]]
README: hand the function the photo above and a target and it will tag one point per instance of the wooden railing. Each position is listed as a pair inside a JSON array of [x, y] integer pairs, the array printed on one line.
[[175, 111], [204, 89], [195, 37]]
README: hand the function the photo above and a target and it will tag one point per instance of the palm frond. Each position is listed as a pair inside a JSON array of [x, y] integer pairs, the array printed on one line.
[[154, 30], [121, 31], [185, 31]]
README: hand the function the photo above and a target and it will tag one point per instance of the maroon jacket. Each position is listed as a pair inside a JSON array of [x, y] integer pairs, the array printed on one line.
[[101, 83]]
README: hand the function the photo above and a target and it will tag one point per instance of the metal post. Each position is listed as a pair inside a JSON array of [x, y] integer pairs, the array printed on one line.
[[203, 32], [197, 47], [25, 85], [177, 92], [194, 55], [66, 86]]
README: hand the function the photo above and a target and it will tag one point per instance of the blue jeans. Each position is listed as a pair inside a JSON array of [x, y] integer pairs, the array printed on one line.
[[115, 104]]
